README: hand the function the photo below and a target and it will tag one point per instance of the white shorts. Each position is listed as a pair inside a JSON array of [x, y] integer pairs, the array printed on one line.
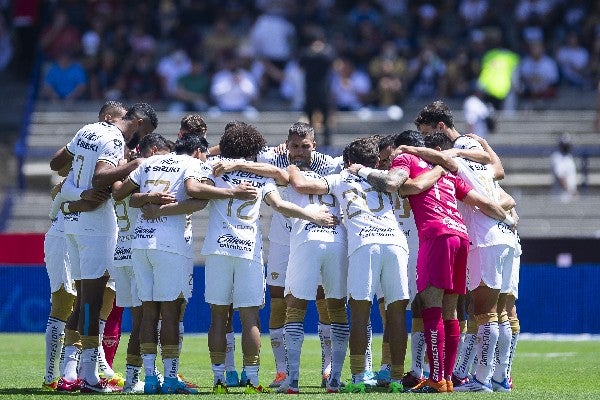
[[162, 275], [234, 280], [58, 265], [513, 284], [412, 280], [127, 291], [277, 264], [372, 264], [90, 256], [313, 263], [487, 265]]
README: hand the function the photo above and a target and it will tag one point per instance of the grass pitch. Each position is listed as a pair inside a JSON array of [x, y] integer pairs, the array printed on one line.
[[542, 370]]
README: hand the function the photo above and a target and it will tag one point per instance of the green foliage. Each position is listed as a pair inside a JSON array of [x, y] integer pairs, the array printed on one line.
[[542, 369]]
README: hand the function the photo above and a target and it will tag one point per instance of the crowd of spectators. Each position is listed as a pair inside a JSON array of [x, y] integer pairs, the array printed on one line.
[[314, 54]]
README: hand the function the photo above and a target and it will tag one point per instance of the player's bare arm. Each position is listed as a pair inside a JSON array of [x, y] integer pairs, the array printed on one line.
[[488, 207], [506, 201], [422, 182], [105, 173], [320, 216], [304, 186], [79, 206], [495, 162], [61, 159], [206, 191], [120, 191], [433, 156], [138, 200], [187, 206], [280, 176], [477, 155]]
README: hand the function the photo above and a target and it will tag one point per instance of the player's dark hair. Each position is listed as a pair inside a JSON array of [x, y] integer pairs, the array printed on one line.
[[241, 140], [143, 111], [438, 139], [409, 138], [363, 151], [433, 113], [111, 108], [152, 140], [193, 124], [188, 144], [301, 129], [386, 141]]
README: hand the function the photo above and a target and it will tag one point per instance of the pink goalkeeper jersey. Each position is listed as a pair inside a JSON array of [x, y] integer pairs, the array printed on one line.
[[435, 209]]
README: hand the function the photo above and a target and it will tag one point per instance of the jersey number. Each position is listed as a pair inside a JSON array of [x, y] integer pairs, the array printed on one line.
[[360, 198], [239, 214]]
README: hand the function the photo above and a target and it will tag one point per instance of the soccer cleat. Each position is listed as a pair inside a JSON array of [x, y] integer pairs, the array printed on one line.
[[232, 379], [101, 387], [383, 378], [291, 388], [220, 388], [279, 379], [251, 389], [409, 380], [50, 386], [457, 381], [395, 387], [133, 388], [333, 386], [186, 382], [151, 385], [370, 378], [116, 381], [429, 386], [359, 387], [510, 382], [175, 386], [65, 385], [474, 386], [503, 386]]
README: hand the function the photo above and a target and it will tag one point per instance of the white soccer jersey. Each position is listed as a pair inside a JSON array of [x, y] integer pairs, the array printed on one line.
[[303, 230], [322, 164], [233, 223], [165, 173], [126, 219], [98, 142], [483, 230], [368, 214], [406, 221]]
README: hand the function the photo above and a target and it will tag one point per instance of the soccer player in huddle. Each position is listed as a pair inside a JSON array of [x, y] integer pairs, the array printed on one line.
[[234, 270], [95, 152]]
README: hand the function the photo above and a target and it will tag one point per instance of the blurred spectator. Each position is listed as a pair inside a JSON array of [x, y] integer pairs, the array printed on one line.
[[350, 87], [233, 88], [60, 35], [573, 61], [272, 41], [170, 68], [498, 77], [460, 73], [315, 60], [427, 74], [387, 71], [141, 81], [292, 85], [479, 116], [539, 74], [367, 43], [364, 11], [106, 82], [92, 38], [25, 26], [535, 13], [218, 41], [564, 169], [65, 80], [6, 48], [140, 40], [192, 90], [474, 13]]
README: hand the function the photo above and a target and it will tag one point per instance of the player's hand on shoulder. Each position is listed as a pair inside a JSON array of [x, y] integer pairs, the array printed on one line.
[[150, 211], [281, 149], [476, 137], [354, 168], [222, 167], [323, 217], [245, 191]]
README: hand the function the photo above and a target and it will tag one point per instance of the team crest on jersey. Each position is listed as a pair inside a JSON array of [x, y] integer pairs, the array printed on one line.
[[274, 275], [168, 161], [118, 144]]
